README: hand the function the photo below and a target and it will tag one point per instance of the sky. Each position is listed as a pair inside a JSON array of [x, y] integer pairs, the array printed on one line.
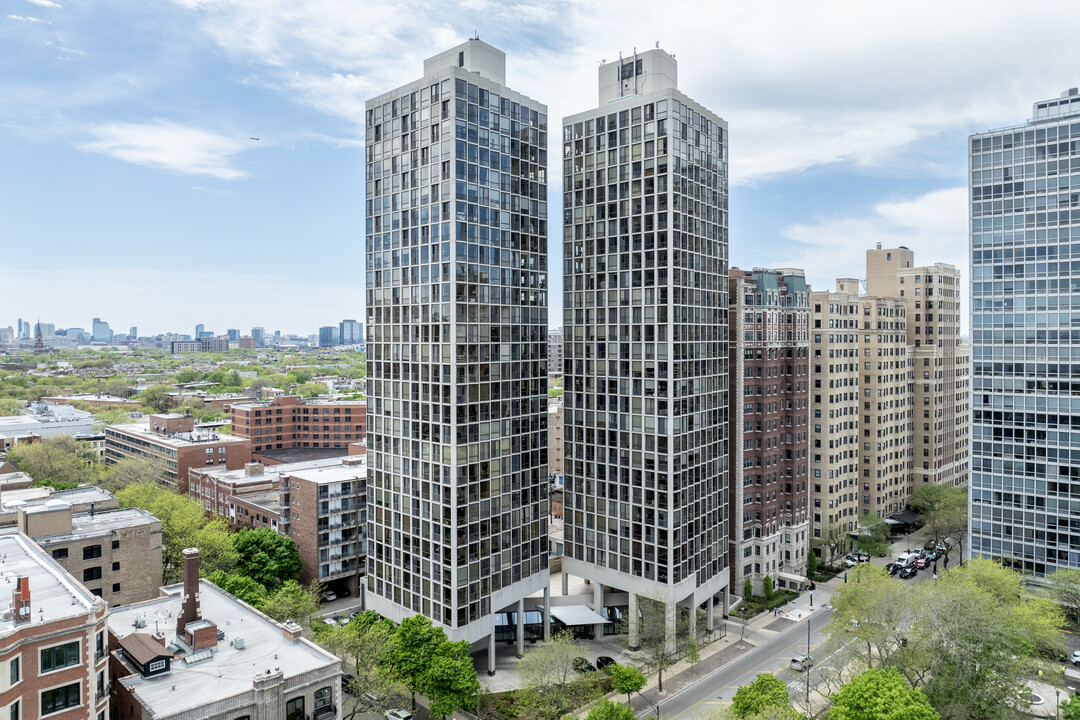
[[201, 161]]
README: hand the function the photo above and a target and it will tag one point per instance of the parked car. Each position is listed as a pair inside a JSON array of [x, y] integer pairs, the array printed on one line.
[[906, 558], [329, 596], [371, 700], [921, 562], [908, 571], [850, 561], [892, 568], [801, 662], [1076, 658], [397, 715], [330, 621], [604, 661], [582, 665]]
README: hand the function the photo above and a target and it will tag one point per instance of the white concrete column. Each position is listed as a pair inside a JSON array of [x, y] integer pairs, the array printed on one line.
[[632, 623], [565, 582], [598, 606], [710, 619], [727, 601], [521, 627], [547, 612], [691, 629], [491, 653], [670, 610]]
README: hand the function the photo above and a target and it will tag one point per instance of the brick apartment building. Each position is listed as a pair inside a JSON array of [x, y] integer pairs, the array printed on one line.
[[198, 653], [115, 553], [293, 422], [52, 640], [172, 439], [770, 380]]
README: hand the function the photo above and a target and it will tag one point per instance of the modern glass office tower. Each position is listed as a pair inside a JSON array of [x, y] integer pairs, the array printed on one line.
[[456, 250], [645, 342], [1025, 325]]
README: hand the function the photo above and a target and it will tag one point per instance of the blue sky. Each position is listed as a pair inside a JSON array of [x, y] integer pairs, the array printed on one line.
[[130, 190]]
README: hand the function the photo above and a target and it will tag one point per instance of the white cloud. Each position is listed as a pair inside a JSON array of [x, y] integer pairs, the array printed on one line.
[[802, 84], [934, 226], [25, 18], [45, 3], [169, 146]]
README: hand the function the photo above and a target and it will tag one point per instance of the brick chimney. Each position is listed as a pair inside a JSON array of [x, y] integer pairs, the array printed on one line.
[[292, 631], [20, 601], [189, 606]]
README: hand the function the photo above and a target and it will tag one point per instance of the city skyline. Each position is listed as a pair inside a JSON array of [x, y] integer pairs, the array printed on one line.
[[185, 136]]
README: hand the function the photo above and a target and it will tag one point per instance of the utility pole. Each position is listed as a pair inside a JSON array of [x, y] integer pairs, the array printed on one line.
[[808, 666]]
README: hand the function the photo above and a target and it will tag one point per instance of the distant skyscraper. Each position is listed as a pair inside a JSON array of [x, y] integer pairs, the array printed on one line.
[[645, 243], [234, 335], [351, 332], [328, 336], [101, 331], [456, 249], [1025, 301], [133, 333], [24, 329], [259, 335], [199, 330]]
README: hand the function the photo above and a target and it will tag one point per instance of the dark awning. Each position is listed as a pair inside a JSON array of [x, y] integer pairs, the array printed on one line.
[[907, 517]]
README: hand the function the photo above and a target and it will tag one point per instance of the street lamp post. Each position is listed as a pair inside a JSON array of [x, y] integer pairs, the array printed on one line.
[[808, 666]]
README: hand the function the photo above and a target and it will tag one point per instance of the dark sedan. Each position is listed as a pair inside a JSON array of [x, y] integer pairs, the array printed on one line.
[[908, 571]]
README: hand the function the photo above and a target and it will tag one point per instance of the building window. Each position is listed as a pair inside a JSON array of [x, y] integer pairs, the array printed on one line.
[[14, 711], [99, 645], [115, 544], [60, 553], [323, 698], [92, 573], [116, 587], [156, 665], [58, 657], [15, 670], [60, 698], [91, 551], [115, 566], [294, 709]]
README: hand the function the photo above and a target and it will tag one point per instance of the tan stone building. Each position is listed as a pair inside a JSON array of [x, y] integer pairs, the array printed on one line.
[[941, 392], [555, 438], [52, 639]]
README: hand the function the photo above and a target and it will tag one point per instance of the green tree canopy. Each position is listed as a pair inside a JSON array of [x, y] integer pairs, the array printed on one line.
[[291, 602], [881, 694], [449, 680], [626, 679], [267, 557], [59, 460], [1063, 586], [411, 648], [763, 692], [607, 710], [241, 586], [154, 398]]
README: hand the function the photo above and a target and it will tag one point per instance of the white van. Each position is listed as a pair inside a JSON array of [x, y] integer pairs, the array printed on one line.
[[906, 559]]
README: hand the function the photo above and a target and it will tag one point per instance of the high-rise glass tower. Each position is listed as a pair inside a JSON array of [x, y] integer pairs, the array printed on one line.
[[456, 252], [645, 254], [1025, 326]]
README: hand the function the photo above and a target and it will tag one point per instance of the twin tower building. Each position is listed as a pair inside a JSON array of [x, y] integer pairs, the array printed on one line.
[[457, 307]]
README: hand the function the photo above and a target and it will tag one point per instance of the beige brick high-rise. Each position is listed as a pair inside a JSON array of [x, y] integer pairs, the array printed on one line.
[[941, 384]]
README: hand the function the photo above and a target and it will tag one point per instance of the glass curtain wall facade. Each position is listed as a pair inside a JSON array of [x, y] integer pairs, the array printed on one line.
[[456, 249], [1025, 324], [645, 344]]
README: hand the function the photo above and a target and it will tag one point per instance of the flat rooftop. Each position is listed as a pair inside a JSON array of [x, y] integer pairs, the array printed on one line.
[[270, 473], [228, 671], [336, 474], [176, 440], [299, 455], [85, 526], [54, 594]]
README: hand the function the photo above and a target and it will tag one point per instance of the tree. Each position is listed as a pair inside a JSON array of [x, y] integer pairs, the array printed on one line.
[[131, 470], [1064, 587], [767, 588], [117, 387], [764, 691], [449, 680], [550, 663], [291, 602], [627, 680], [1070, 709], [881, 694], [660, 650], [945, 509], [240, 586], [873, 535], [869, 613], [267, 557], [154, 398], [835, 540], [9, 406], [55, 460], [811, 566], [411, 649], [607, 710], [748, 589]]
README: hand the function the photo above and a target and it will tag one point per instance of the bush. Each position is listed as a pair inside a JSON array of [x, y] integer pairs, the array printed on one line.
[[748, 590], [753, 605], [767, 588]]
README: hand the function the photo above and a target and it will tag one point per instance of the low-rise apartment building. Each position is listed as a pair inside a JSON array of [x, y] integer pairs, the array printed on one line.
[[52, 639], [290, 421], [172, 439], [198, 653]]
